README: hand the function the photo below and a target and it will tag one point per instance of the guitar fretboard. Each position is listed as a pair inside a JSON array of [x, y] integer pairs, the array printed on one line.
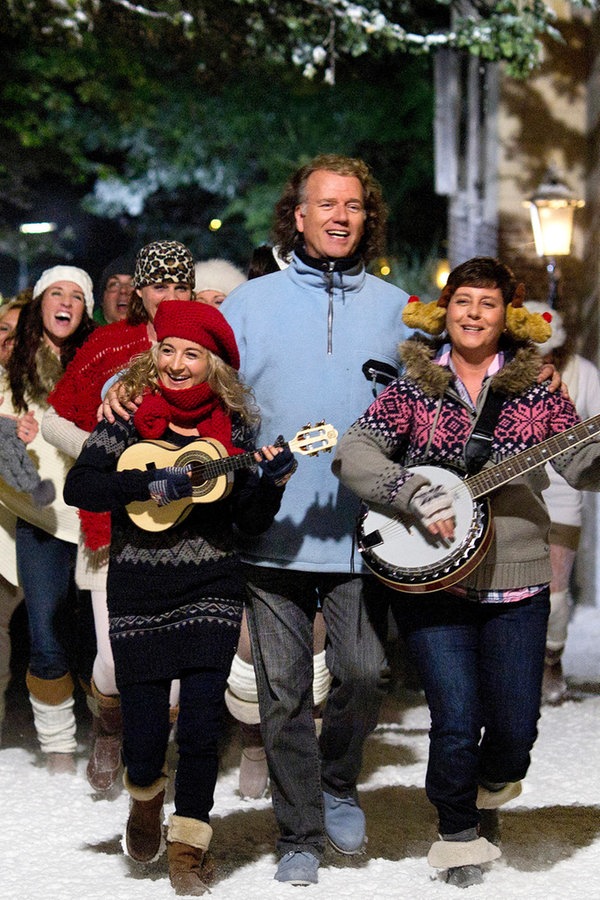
[[495, 476], [214, 467]]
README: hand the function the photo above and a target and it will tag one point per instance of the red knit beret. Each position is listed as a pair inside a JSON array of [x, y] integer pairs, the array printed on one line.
[[200, 323]]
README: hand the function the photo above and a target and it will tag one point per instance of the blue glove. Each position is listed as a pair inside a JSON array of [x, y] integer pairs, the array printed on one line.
[[172, 483], [283, 464]]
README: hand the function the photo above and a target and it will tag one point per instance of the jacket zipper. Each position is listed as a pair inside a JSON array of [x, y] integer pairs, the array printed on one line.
[[329, 276]]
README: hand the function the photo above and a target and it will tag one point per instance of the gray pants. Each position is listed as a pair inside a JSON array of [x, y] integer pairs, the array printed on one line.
[[281, 608]]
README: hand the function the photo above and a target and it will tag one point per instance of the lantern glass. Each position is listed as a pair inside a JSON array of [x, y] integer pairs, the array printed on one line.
[[552, 225]]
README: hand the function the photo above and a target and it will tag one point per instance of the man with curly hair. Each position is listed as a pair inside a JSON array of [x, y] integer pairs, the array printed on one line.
[[316, 339]]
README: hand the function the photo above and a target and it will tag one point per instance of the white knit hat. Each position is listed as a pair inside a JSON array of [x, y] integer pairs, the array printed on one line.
[[281, 262], [218, 275], [67, 273], [559, 335]]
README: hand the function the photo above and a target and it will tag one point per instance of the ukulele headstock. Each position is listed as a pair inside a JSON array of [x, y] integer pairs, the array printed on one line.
[[311, 440]]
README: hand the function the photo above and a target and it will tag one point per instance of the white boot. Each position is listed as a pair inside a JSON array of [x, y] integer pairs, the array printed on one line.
[[52, 704]]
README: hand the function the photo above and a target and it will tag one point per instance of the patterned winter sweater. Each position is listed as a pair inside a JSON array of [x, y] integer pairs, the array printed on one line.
[[175, 597], [422, 419]]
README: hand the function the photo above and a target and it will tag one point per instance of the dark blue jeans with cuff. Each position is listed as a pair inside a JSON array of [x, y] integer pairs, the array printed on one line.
[[481, 667]]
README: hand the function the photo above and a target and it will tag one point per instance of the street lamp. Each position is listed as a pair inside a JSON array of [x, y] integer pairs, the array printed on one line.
[[552, 208], [23, 249]]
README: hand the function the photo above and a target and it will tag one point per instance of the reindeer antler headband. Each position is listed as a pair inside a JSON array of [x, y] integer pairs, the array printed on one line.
[[521, 324]]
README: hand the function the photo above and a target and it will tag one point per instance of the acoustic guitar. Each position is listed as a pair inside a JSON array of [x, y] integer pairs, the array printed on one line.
[[408, 558], [212, 470]]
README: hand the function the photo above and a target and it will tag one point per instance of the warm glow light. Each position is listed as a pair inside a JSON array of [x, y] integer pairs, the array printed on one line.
[[552, 209], [385, 270], [552, 226], [442, 270], [37, 227], [214, 224]]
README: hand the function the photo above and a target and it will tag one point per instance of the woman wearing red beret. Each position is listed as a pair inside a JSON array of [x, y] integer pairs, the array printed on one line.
[[175, 596]]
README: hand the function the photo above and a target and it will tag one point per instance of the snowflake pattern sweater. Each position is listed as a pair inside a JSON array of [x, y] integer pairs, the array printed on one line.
[[175, 597], [422, 419]]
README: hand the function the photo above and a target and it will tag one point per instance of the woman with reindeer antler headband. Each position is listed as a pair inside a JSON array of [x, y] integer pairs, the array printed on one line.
[[471, 577]]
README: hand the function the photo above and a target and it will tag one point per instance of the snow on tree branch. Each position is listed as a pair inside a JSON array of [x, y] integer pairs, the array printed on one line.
[[314, 34]]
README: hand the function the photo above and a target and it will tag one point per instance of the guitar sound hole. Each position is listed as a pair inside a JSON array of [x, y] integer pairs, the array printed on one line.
[[198, 478]]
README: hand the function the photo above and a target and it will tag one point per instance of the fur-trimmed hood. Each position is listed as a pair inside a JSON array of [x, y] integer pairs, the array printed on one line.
[[519, 372]]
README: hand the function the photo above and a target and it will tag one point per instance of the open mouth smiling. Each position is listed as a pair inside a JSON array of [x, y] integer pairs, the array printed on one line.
[[178, 379]]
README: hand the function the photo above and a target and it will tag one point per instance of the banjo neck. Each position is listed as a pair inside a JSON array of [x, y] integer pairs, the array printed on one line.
[[495, 476]]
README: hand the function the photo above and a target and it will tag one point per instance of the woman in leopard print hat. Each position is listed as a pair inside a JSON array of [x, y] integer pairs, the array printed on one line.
[[160, 267]]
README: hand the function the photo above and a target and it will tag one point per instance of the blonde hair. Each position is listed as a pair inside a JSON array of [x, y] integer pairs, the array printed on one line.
[[236, 396]]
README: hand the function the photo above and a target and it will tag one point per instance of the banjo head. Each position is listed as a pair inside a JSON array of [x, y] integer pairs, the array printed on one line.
[[407, 558]]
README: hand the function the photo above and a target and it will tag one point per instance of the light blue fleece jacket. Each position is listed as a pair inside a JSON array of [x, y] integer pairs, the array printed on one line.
[[304, 337]]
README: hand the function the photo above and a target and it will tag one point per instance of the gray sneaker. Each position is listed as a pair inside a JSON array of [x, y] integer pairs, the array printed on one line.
[[298, 867], [464, 876], [344, 824]]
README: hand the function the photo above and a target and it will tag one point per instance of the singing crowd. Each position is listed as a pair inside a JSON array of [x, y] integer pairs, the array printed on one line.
[[158, 471]]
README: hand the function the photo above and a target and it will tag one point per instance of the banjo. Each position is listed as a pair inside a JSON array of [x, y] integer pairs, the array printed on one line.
[[406, 557]]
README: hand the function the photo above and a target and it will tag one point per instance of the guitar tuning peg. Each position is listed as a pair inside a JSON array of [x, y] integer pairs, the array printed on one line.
[[320, 424], [306, 427]]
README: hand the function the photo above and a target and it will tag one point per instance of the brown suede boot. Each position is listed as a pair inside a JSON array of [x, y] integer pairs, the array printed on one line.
[[143, 836], [191, 867], [554, 685], [105, 757], [254, 774]]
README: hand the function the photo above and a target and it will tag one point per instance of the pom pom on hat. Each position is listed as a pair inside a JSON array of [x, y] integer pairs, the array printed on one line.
[[200, 323], [67, 273]]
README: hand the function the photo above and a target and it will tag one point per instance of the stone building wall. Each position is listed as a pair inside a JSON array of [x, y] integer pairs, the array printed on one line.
[[496, 137], [553, 119]]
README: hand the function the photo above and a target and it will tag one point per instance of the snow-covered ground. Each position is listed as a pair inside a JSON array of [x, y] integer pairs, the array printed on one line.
[[59, 843]]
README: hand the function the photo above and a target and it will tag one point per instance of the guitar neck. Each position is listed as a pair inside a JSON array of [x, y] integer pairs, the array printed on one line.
[[503, 472], [215, 467]]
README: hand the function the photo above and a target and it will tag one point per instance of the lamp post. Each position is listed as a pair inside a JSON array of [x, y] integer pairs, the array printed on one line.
[[552, 208]]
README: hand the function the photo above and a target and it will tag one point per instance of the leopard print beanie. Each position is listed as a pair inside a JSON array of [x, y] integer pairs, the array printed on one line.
[[163, 261]]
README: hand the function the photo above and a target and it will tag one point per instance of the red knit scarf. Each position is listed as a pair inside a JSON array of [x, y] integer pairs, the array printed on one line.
[[197, 407]]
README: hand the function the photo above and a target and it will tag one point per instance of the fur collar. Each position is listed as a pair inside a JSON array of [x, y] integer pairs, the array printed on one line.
[[49, 371], [519, 372]]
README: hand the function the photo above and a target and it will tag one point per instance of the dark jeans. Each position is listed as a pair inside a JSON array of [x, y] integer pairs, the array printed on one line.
[[481, 667], [146, 728], [45, 565], [282, 606]]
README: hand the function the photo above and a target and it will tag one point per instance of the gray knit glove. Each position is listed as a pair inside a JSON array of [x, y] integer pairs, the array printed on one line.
[[171, 483], [430, 503]]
